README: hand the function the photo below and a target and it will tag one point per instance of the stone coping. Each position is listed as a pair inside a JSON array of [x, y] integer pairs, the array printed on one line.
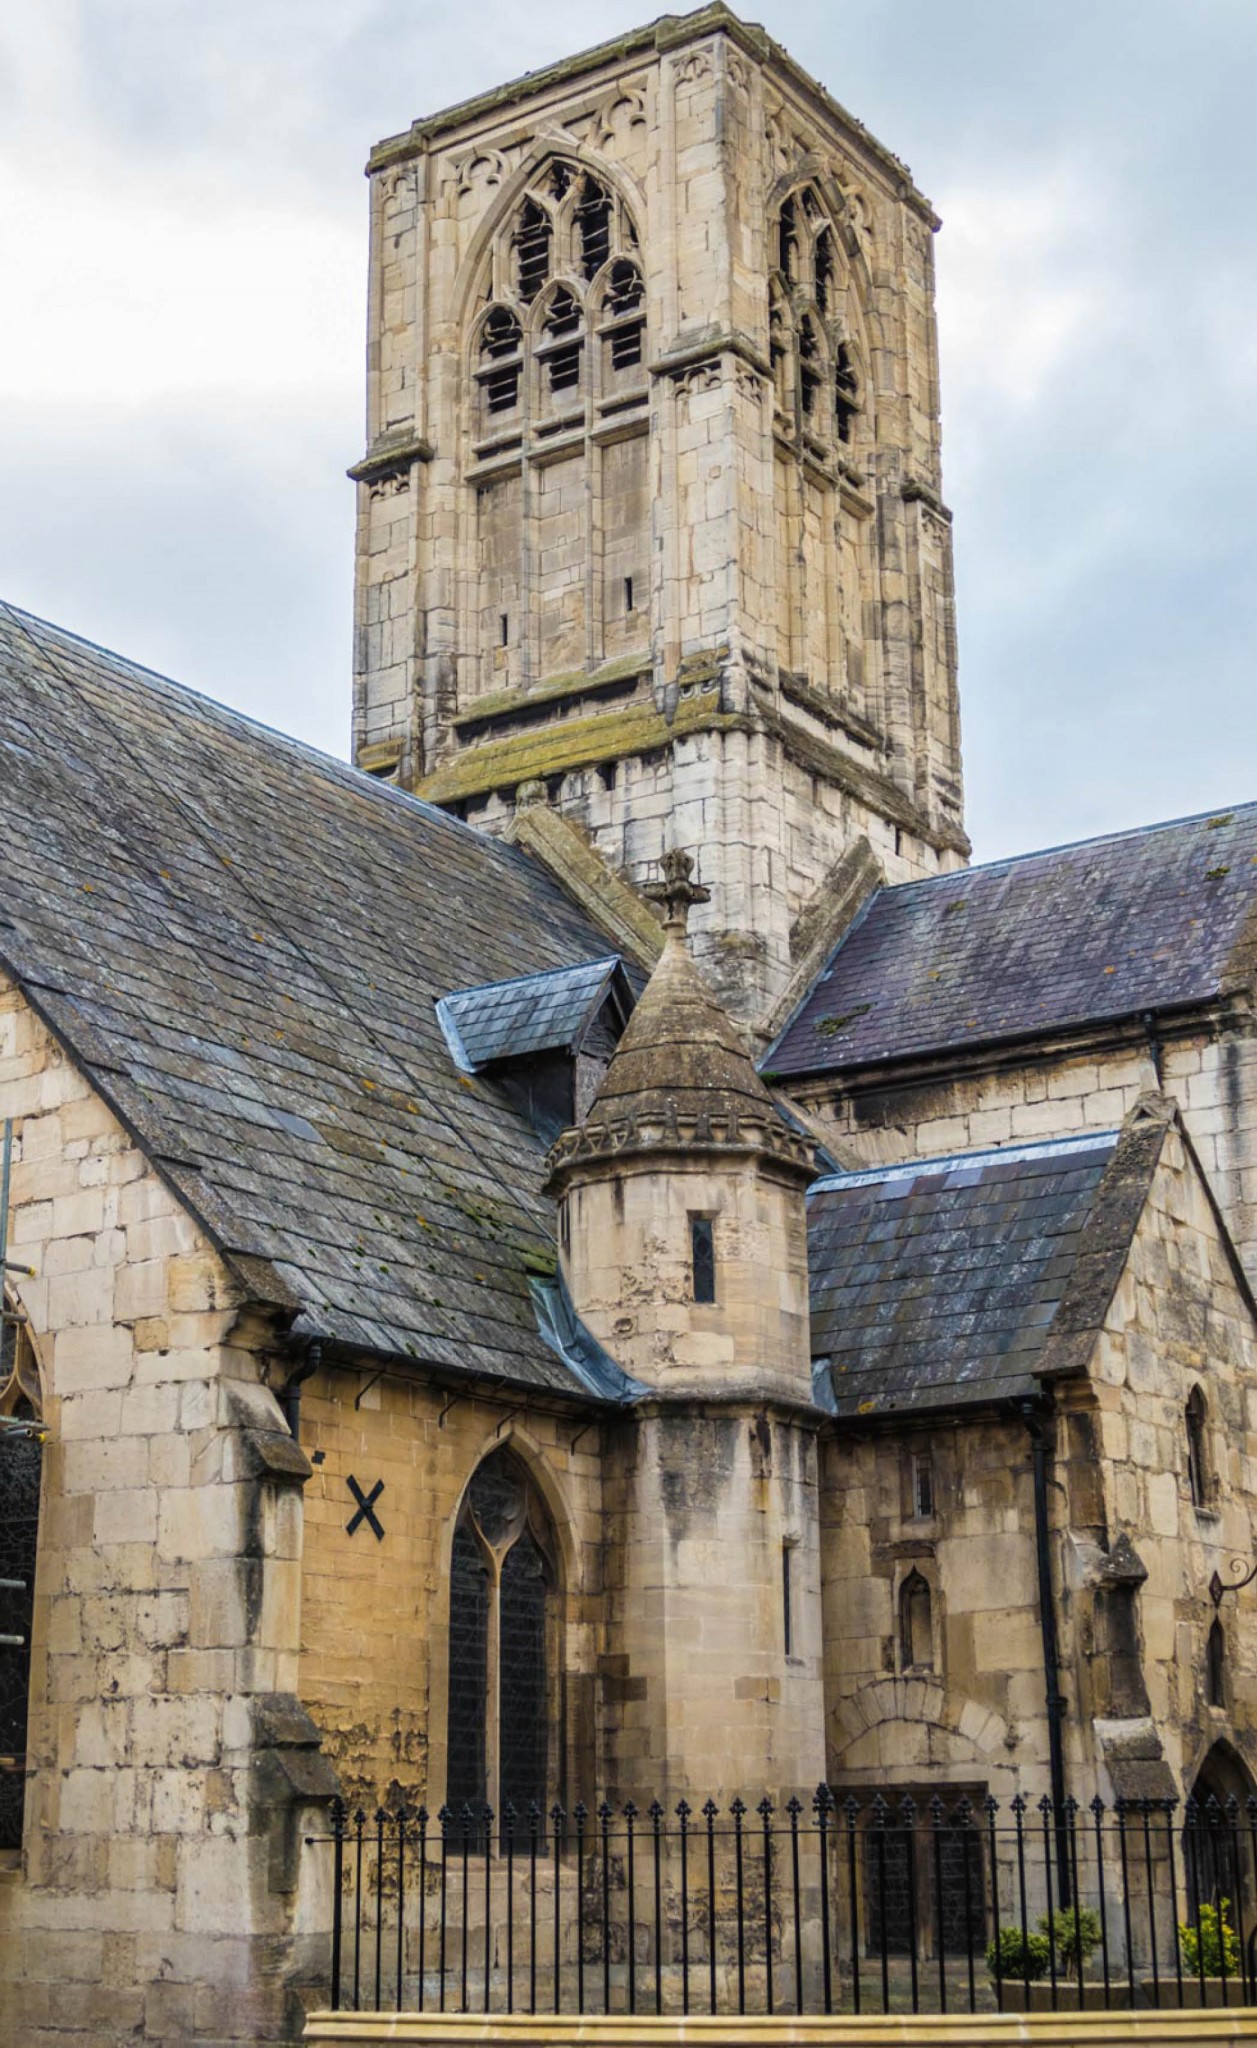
[[784, 2030]]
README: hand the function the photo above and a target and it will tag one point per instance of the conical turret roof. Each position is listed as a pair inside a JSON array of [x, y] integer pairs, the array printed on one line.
[[681, 1076]]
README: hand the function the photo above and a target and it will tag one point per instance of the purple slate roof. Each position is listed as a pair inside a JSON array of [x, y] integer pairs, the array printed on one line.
[[1140, 921], [936, 1283]]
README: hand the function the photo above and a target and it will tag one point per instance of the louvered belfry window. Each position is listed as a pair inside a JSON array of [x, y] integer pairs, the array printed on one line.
[[503, 1678], [20, 1465]]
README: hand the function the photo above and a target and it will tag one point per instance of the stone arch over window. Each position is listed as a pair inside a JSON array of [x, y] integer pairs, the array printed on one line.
[[504, 1738], [1196, 1430], [916, 1623], [555, 541], [21, 1438]]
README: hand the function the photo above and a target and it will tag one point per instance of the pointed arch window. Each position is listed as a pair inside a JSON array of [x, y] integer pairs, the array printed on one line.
[[624, 321], [848, 398], [501, 362], [815, 360], [533, 237], [558, 514], [916, 1624], [593, 227], [20, 1470], [1195, 1419], [1215, 1665], [562, 348], [504, 1693]]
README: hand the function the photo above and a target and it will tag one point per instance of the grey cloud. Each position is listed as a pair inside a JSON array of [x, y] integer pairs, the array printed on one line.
[[1091, 162]]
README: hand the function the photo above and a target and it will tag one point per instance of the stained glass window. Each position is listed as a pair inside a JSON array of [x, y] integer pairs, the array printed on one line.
[[502, 1675], [20, 1462], [522, 1674], [469, 1671]]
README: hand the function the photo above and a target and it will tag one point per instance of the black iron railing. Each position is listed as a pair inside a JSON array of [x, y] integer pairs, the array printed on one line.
[[846, 1903]]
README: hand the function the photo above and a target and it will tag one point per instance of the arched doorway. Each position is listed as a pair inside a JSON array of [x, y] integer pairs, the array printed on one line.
[[1217, 1837]]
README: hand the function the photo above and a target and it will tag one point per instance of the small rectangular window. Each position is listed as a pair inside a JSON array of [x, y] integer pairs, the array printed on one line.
[[504, 629], [628, 593], [703, 1258], [787, 1616], [922, 1485]]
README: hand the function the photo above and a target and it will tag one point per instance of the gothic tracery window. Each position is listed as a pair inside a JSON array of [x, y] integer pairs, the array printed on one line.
[[20, 1464], [504, 1694], [816, 361], [557, 425]]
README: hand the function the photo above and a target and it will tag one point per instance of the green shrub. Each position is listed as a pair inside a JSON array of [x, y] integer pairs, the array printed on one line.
[[1018, 1956], [1077, 1935], [1204, 1952]]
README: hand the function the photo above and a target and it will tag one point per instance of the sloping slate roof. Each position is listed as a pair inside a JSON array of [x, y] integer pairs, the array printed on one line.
[[1141, 921], [936, 1283], [242, 942], [532, 1013]]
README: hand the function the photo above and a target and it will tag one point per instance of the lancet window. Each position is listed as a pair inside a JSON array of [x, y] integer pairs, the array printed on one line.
[[816, 361], [557, 425], [566, 266], [20, 1464], [1195, 1416], [916, 1634], [504, 1694]]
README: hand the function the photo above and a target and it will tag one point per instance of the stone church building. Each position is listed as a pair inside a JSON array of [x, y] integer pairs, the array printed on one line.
[[590, 1252]]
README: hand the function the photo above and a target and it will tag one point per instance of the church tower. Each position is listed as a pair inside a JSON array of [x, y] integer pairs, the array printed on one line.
[[650, 526]]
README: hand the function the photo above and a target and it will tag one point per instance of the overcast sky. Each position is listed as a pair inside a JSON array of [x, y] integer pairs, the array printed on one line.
[[182, 270]]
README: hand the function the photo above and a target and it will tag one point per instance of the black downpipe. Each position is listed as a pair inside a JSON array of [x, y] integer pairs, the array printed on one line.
[[290, 1399], [1035, 1415]]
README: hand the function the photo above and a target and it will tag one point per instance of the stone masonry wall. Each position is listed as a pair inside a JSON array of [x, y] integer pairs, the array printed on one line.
[[151, 1895], [1180, 1320], [375, 1613], [1211, 1073], [975, 1713]]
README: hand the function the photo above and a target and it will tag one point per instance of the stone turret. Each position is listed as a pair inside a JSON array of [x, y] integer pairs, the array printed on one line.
[[684, 1243], [682, 1217]]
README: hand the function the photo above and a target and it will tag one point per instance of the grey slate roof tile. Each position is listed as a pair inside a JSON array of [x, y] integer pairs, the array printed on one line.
[[936, 1284], [1113, 927], [531, 1014], [243, 941]]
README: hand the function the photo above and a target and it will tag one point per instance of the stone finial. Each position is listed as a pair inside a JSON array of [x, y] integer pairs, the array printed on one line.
[[676, 892]]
